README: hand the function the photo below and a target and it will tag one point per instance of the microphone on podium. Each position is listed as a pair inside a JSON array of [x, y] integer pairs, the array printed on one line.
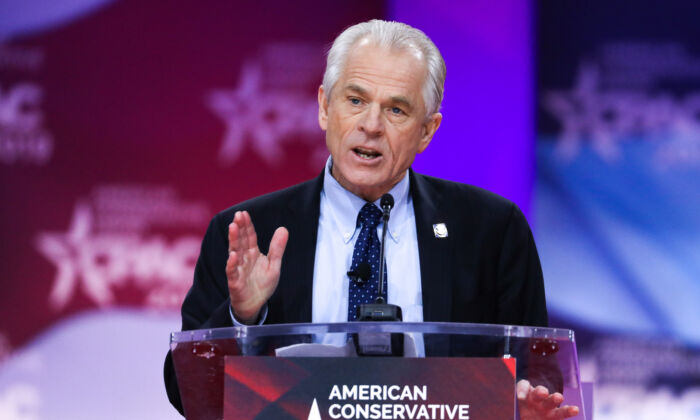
[[380, 344], [380, 310]]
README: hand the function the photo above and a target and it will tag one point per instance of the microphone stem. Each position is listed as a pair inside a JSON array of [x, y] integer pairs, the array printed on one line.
[[382, 263]]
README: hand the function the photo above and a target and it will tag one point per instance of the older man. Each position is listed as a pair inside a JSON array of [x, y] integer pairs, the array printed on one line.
[[454, 252]]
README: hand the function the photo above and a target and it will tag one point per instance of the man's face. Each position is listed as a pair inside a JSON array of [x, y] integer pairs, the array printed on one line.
[[375, 118]]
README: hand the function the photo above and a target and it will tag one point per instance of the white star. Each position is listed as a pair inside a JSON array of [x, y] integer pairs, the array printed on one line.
[[64, 250], [581, 113], [265, 119]]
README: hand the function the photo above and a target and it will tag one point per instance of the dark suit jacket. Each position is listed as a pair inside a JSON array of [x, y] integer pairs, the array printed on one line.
[[485, 271]]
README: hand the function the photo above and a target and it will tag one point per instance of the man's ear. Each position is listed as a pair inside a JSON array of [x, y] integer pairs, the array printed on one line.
[[322, 108], [430, 126]]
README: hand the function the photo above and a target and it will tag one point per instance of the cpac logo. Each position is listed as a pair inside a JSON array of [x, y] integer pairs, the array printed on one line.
[[96, 263], [608, 118], [22, 137], [265, 119]]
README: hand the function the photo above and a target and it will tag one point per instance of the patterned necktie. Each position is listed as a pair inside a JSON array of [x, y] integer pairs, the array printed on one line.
[[367, 249]]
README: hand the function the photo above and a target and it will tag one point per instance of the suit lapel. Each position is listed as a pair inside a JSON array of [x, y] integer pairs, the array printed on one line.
[[302, 222], [435, 254]]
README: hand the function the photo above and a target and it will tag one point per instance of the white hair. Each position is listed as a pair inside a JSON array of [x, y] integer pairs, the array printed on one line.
[[393, 35]]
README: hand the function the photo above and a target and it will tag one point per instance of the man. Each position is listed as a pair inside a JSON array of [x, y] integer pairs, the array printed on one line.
[[454, 252]]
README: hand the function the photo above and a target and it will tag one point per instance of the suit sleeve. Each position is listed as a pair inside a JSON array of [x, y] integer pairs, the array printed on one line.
[[207, 302], [521, 299]]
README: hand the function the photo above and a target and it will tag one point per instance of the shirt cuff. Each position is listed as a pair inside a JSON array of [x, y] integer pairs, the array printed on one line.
[[261, 318]]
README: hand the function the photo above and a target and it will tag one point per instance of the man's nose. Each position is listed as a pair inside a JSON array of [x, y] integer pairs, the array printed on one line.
[[372, 123]]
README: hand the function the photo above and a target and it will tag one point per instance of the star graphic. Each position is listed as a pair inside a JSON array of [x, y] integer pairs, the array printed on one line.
[[65, 251], [263, 119], [585, 111]]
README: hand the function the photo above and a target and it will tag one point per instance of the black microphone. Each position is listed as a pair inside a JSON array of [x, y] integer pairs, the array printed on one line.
[[386, 203], [380, 310], [361, 273], [380, 344]]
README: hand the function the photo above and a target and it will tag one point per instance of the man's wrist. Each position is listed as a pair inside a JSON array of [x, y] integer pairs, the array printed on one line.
[[258, 319], [249, 320]]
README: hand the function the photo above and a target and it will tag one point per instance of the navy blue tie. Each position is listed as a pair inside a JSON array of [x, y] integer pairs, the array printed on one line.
[[366, 250]]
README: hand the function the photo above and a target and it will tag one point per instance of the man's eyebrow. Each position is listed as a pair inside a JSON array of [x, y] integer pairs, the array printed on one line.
[[398, 100], [355, 88], [402, 100]]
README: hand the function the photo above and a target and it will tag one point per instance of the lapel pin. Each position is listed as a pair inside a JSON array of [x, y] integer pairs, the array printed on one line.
[[440, 230]]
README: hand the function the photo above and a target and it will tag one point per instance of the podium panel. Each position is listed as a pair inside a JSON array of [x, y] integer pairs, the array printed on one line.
[[290, 388], [260, 370]]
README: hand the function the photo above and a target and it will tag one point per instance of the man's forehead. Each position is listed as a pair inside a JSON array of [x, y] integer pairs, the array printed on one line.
[[385, 62], [369, 64]]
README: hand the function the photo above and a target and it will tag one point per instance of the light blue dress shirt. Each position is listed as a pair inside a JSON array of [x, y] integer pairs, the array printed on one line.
[[337, 233]]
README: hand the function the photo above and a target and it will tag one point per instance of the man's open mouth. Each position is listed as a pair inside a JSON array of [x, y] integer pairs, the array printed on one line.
[[366, 153]]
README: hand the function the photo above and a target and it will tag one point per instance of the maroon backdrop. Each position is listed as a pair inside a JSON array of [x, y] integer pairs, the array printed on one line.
[[127, 128]]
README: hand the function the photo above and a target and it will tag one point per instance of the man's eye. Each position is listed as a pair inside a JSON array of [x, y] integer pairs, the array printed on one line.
[[396, 110], [354, 101]]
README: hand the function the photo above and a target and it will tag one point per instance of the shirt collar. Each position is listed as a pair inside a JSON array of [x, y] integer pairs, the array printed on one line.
[[345, 205]]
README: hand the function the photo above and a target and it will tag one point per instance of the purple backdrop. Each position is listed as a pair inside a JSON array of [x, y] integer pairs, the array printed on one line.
[[487, 134], [125, 125]]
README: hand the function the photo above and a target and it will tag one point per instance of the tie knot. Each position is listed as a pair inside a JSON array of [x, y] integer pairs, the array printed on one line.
[[370, 215]]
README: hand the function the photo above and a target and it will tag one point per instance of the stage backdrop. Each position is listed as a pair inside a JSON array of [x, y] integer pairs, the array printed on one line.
[[126, 125], [617, 204]]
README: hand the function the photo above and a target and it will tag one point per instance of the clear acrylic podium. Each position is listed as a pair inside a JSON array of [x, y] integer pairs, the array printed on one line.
[[545, 356]]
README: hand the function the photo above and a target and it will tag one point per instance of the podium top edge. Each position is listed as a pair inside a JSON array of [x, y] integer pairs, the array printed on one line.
[[446, 328]]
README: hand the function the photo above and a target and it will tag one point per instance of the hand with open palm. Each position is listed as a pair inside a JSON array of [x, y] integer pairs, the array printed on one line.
[[252, 276]]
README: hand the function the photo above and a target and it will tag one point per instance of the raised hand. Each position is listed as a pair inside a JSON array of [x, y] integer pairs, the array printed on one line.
[[536, 403], [252, 276]]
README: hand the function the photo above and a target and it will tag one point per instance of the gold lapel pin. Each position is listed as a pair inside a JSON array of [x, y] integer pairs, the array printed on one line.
[[440, 230]]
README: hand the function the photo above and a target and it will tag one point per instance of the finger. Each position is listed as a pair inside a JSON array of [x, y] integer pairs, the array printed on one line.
[[233, 232], [232, 269], [556, 398], [538, 394], [552, 401], [522, 388], [252, 237], [278, 243], [570, 411], [239, 220], [564, 412]]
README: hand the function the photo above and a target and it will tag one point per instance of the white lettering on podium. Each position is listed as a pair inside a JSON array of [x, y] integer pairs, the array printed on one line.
[[408, 410]]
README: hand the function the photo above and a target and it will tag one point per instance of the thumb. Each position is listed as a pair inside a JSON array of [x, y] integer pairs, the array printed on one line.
[[278, 243], [522, 388]]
